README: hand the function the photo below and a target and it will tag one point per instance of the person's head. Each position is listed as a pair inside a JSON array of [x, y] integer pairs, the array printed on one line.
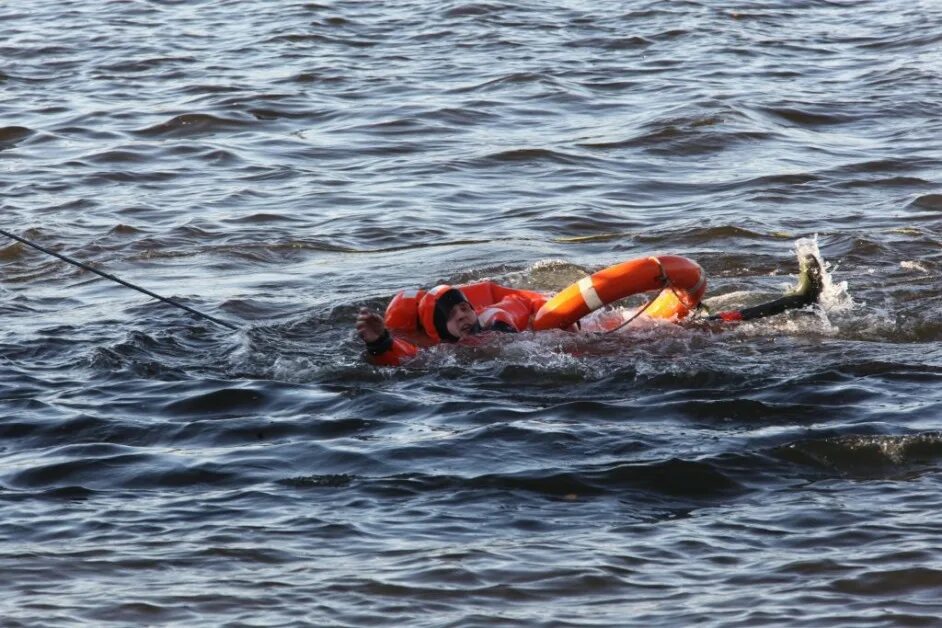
[[446, 315]]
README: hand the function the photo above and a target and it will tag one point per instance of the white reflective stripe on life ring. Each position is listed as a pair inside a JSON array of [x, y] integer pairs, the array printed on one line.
[[589, 295], [697, 286]]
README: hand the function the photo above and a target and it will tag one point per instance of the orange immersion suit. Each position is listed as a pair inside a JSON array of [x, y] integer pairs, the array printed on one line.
[[680, 282], [498, 308]]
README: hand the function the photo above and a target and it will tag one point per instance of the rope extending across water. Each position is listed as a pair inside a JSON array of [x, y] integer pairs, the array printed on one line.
[[109, 276]]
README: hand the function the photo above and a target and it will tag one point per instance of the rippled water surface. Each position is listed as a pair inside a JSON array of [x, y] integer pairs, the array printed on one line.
[[282, 164]]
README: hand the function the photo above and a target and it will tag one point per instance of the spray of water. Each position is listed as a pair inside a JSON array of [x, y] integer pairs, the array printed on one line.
[[835, 298]]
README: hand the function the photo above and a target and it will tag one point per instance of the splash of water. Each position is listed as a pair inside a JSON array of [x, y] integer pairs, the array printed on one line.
[[835, 297]]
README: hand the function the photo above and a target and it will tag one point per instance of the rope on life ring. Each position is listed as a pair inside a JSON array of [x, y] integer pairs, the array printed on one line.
[[682, 276]]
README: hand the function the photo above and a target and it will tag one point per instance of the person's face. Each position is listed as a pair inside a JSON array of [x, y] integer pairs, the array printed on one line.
[[462, 321]]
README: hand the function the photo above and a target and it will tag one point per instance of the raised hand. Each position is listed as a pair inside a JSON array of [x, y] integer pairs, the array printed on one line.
[[370, 325]]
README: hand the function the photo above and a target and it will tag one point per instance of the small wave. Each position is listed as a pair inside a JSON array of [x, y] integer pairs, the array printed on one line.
[[907, 42], [459, 116], [10, 136], [84, 469], [692, 236], [613, 43], [866, 455], [315, 38], [548, 275], [122, 229], [276, 252], [118, 156], [340, 480], [336, 20], [255, 310], [228, 401], [261, 218], [201, 89], [316, 77], [532, 155], [599, 237], [191, 125], [677, 479], [400, 127], [12, 252], [683, 135], [806, 117], [514, 79], [69, 493], [913, 265], [931, 202], [904, 165], [894, 584], [473, 9], [887, 182], [270, 113], [783, 180], [145, 65]]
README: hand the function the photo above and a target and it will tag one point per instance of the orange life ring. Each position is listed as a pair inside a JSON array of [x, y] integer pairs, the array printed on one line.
[[681, 281]]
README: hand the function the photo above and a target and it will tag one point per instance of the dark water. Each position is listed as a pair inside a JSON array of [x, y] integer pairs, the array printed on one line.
[[282, 164]]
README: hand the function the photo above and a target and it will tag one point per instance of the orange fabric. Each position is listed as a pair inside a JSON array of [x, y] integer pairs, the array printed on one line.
[[402, 313], [492, 302], [489, 294], [427, 310], [479, 294], [401, 350], [513, 309], [526, 309], [688, 284], [644, 274]]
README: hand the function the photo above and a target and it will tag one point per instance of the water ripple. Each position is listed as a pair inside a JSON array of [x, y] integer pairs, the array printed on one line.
[[283, 165]]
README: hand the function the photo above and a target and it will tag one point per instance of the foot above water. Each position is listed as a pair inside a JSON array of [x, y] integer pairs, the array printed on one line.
[[810, 282]]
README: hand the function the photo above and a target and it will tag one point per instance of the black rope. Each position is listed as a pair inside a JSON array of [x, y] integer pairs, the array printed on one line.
[[666, 284], [111, 277], [638, 313]]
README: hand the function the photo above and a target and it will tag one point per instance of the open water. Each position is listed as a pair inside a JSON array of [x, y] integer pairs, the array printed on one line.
[[281, 164]]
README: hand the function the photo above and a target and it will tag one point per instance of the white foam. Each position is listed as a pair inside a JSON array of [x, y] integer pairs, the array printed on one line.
[[835, 297], [911, 265]]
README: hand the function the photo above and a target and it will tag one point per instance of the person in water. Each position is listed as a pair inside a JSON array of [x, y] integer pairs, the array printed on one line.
[[457, 314], [444, 314]]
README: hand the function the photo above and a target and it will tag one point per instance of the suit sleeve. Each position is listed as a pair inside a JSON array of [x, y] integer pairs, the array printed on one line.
[[513, 309], [389, 351], [534, 300]]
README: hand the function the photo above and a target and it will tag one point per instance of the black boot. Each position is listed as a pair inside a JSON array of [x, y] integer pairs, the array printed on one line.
[[807, 292]]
